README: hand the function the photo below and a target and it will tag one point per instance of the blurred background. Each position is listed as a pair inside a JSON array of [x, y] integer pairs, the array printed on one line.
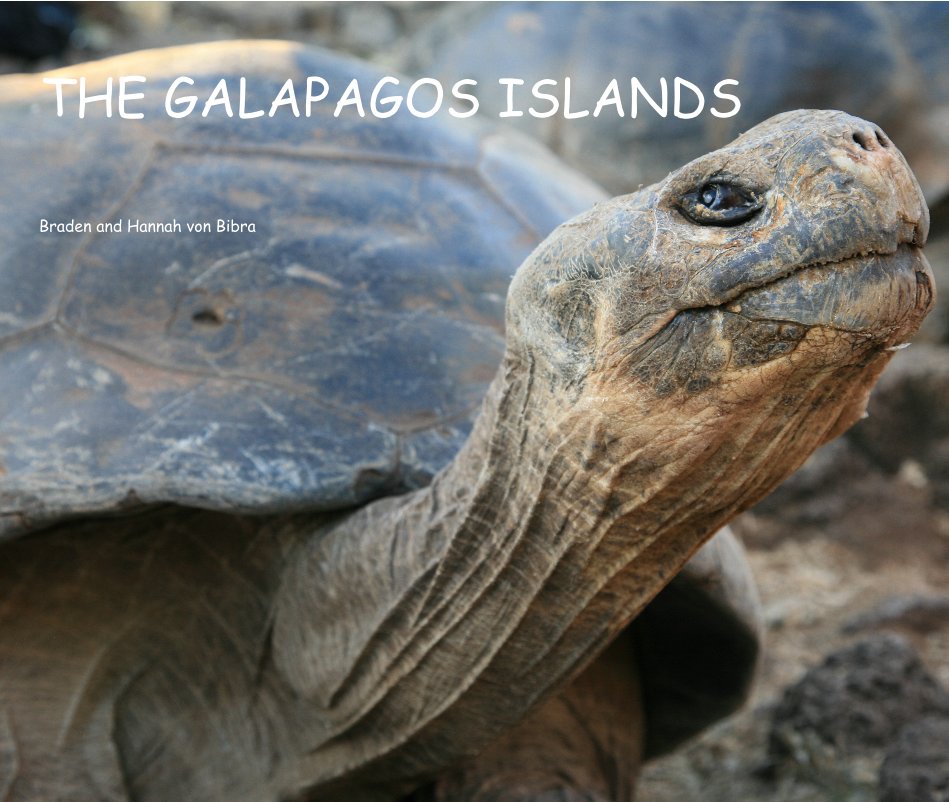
[[852, 553]]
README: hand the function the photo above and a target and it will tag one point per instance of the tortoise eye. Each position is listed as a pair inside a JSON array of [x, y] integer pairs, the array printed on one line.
[[718, 203]]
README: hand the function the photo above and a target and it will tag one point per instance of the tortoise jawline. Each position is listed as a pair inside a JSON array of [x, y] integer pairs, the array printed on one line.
[[861, 294]]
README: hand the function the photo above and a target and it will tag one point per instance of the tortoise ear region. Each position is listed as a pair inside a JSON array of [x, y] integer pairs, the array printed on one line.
[[557, 331], [572, 311]]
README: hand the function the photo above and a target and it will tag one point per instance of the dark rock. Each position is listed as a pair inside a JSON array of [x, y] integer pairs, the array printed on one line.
[[856, 700], [33, 31], [909, 417], [812, 494], [914, 612], [916, 766], [936, 326]]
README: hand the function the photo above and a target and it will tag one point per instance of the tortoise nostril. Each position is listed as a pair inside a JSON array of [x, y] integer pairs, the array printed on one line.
[[862, 140], [870, 139]]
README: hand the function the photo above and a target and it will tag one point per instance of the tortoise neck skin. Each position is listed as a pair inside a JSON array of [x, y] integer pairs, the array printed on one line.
[[664, 371]]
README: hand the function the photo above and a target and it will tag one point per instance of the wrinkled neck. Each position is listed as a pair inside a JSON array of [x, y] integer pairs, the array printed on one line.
[[439, 618]]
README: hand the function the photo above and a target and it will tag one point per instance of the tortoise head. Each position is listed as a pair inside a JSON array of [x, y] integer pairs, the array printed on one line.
[[769, 280]]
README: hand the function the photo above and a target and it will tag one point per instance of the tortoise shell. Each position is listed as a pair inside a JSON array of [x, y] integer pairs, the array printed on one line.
[[336, 353]]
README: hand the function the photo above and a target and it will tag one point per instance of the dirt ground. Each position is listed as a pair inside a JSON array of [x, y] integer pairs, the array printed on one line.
[[857, 543]]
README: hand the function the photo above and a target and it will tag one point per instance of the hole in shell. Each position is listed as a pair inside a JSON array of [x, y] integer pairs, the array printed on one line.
[[207, 316]]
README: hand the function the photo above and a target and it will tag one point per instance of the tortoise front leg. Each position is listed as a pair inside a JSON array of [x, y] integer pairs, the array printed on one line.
[[583, 744]]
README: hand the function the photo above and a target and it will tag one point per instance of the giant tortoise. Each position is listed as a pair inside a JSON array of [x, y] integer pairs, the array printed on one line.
[[263, 537]]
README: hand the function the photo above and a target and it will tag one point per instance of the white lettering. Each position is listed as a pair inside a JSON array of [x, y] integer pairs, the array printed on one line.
[[190, 101], [310, 97], [553, 100], [439, 97], [126, 96], [637, 89], [285, 97], [463, 96], [351, 97], [59, 83], [610, 97], [510, 83], [106, 98], [219, 97], [395, 101], [725, 96], [700, 99]]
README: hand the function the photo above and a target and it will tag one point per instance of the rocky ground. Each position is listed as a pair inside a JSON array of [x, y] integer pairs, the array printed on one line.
[[852, 553]]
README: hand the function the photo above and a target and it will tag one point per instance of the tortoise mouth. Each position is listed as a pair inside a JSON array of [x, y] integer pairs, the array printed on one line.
[[877, 299], [870, 293], [854, 274]]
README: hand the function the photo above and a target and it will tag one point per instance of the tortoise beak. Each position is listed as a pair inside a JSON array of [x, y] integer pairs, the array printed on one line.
[[874, 294]]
